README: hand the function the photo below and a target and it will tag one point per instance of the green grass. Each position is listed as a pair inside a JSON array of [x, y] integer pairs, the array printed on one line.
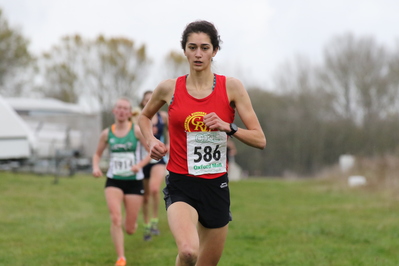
[[275, 222]]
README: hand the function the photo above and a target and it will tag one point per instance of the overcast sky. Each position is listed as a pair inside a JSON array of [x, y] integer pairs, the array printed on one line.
[[258, 35]]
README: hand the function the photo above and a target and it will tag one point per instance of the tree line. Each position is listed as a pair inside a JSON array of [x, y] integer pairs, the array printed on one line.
[[346, 104]]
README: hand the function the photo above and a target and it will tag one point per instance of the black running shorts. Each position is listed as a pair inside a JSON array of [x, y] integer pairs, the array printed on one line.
[[147, 168], [210, 197], [127, 186]]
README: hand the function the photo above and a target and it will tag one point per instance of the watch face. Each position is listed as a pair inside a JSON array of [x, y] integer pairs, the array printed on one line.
[[233, 127]]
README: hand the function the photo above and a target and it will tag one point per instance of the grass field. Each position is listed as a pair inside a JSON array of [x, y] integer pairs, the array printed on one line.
[[275, 222]]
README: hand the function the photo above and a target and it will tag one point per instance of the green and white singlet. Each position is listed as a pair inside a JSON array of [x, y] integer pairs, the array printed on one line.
[[123, 155]]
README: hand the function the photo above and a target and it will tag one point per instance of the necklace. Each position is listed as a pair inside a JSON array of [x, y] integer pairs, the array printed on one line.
[[213, 87], [214, 81]]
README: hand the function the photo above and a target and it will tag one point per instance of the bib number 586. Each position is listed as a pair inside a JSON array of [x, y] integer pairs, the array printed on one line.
[[207, 154]]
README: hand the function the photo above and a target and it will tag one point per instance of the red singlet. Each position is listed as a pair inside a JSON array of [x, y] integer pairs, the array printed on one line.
[[207, 157]]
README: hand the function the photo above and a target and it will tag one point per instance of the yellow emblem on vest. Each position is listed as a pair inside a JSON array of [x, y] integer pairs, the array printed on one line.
[[194, 122]]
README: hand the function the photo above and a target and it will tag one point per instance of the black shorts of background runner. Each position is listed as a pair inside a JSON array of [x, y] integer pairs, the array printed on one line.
[[127, 186], [147, 168], [210, 197]]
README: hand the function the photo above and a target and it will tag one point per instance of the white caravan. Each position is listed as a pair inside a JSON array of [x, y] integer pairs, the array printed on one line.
[[17, 141]]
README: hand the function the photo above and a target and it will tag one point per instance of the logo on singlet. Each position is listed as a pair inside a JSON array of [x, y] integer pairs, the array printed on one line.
[[125, 146], [195, 122]]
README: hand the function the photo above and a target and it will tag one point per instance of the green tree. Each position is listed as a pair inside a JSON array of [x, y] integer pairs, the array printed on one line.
[[15, 59]]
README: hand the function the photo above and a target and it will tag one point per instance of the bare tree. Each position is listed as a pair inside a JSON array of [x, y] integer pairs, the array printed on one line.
[[101, 69], [117, 69], [175, 64], [356, 74], [393, 79]]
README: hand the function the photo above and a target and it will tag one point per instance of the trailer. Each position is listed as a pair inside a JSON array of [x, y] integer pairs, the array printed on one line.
[[62, 132], [17, 141]]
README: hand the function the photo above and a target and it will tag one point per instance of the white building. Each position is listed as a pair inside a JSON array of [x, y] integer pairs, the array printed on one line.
[[57, 126]]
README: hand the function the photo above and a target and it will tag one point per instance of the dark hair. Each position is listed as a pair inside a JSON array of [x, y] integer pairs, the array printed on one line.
[[142, 99], [205, 27]]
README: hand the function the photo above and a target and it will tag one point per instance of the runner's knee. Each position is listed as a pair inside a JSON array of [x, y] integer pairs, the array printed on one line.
[[188, 254], [131, 229], [116, 220]]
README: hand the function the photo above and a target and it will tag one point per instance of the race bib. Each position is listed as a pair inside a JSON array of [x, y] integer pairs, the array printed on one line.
[[206, 152], [122, 162]]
